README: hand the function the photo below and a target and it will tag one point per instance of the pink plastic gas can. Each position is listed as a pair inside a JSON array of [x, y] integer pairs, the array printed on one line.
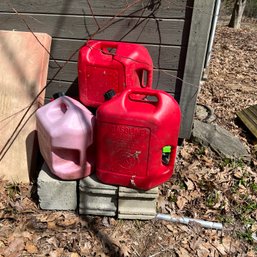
[[136, 139], [65, 135], [105, 65]]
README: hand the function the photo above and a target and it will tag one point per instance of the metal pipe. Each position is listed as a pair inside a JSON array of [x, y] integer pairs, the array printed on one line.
[[212, 33], [186, 220]]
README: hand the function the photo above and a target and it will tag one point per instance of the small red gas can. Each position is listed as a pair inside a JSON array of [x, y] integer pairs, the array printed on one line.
[[105, 65], [137, 139]]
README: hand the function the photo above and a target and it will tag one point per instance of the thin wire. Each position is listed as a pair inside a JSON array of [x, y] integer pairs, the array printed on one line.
[[16, 131], [107, 25]]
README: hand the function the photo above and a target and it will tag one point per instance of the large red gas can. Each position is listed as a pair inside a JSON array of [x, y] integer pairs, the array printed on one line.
[[137, 139], [105, 65]]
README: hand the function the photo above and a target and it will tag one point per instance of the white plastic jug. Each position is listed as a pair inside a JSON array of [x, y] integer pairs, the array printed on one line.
[[65, 134]]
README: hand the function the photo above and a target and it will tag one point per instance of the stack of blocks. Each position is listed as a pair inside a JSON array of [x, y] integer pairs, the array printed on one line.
[[55, 194], [96, 198], [92, 197]]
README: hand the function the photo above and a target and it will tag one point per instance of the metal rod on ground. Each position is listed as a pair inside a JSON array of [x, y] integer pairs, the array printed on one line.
[[185, 220]]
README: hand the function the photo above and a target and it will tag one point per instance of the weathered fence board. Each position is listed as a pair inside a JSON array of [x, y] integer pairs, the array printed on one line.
[[163, 79], [196, 53], [144, 8], [155, 31], [164, 57]]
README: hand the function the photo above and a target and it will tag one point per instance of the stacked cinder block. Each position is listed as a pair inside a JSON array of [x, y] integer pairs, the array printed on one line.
[[56, 194], [137, 204], [95, 198]]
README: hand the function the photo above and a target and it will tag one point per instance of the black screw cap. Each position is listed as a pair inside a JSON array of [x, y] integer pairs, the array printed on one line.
[[109, 94], [58, 94]]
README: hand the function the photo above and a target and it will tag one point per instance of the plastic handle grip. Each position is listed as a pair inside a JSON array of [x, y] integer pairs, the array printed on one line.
[[105, 45], [65, 103], [110, 44], [145, 92], [149, 77]]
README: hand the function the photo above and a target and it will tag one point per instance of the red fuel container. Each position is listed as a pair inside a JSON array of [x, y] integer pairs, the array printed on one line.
[[105, 65], [136, 139]]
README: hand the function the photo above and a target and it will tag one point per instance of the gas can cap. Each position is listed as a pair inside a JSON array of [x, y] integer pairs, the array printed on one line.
[[58, 94], [109, 94]]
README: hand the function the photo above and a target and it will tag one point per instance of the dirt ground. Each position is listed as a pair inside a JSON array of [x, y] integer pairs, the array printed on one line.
[[204, 186]]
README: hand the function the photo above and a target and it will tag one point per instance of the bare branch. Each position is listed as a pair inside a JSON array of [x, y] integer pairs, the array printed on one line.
[[24, 21], [91, 10]]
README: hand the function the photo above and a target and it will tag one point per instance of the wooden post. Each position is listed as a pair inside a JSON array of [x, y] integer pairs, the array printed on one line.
[[196, 52]]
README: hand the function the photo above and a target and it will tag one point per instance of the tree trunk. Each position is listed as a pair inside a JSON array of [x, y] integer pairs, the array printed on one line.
[[237, 14]]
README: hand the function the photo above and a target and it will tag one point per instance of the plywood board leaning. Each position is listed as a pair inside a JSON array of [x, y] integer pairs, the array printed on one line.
[[23, 74]]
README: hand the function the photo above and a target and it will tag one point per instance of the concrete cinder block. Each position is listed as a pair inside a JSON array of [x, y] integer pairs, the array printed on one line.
[[56, 194], [96, 198], [137, 204]]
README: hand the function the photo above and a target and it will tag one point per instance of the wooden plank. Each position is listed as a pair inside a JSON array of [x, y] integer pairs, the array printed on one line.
[[163, 79], [249, 117], [164, 9], [154, 31], [197, 46], [23, 74], [71, 88], [164, 57]]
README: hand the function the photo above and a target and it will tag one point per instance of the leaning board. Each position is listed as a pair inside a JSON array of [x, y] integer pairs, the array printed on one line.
[[23, 73]]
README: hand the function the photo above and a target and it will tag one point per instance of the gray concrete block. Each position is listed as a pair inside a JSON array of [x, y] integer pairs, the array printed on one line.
[[55, 194], [137, 204], [96, 198], [220, 140]]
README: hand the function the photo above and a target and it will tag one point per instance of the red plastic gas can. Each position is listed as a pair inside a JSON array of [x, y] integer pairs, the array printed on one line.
[[137, 139], [105, 65]]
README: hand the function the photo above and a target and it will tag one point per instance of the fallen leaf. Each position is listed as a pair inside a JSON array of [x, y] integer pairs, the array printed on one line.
[[53, 240], [106, 222], [170, 227], [184, 153], [182, 252], [190, 184], [193, 166], [51, 225], [181, 202], [124, 251], [161, 203], [195, 243], [16, 246], [74, 255], [69, 222], [251, 254], [203, 252], [31, 248], [238, 173], [56, 253]]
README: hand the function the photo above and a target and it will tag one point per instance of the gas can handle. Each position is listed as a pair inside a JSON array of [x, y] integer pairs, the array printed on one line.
[[65, 103], [104, 45], [149, 80], [145, 92]]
